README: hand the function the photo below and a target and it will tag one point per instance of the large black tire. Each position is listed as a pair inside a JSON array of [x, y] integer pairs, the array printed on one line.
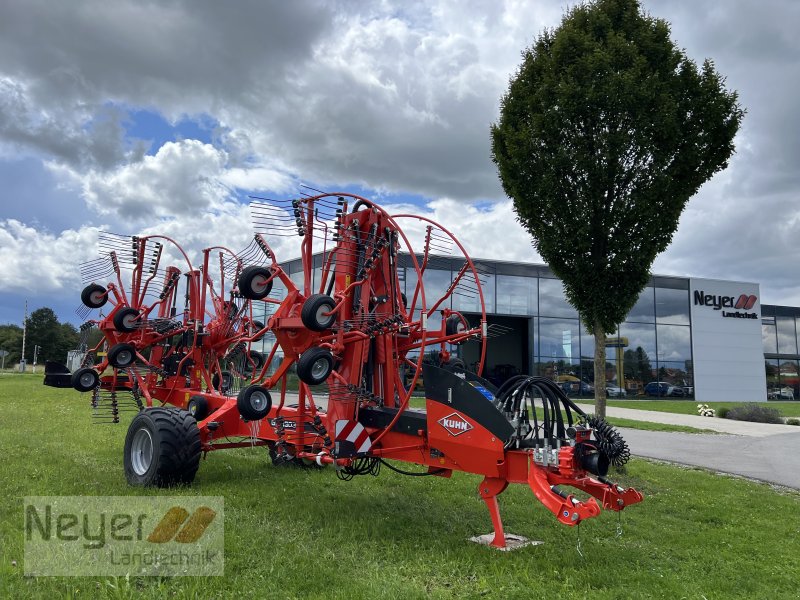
[[122, 355], [94, 296], [313, 314], [314, 365], [162, 448], [254, 402], [198, 407], [254, 282], [85, 380], [125, 319]]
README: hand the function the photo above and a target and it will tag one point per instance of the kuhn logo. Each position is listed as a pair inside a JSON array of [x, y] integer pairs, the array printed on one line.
[[455, 424]]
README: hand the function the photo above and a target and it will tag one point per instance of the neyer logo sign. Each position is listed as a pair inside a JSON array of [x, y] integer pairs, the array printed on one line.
[[719, 302], [455, 424]]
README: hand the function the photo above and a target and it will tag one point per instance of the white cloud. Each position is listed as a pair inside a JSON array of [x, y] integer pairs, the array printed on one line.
[[40, 262]]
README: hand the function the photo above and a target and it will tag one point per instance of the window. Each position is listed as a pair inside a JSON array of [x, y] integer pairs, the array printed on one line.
[[787, 338], [644, 309], [769, 335], [552, 301], [672, 306], [559, 338], [517, 295], [673, 343]]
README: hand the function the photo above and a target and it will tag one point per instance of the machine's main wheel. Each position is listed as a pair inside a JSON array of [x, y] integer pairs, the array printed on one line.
[[198, 407], [85, 379], [162, 448]]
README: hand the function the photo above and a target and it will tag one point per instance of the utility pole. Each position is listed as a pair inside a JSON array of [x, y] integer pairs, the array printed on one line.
[[24, 334]]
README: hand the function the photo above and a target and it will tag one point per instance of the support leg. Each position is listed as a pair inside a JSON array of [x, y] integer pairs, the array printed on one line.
[[489, 489]]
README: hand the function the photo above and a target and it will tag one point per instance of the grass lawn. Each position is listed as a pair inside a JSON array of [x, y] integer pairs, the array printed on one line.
[[291, 533], [689, 407]]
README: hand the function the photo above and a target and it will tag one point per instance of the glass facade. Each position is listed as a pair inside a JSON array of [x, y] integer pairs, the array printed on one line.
[[538, 331], [653, 344], [779, 333]]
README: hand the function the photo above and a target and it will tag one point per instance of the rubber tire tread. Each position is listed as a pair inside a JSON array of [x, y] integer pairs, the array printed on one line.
[[176, 448]]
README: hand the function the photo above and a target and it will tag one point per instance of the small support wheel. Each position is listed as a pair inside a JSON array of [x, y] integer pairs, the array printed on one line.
[[455, 324], [222, 383], [85, 380], [255, 283], [94, 296], [162, 448], [198, 407], [258, 361], [255, 327], [126, 319], [314, 365], [121, 355], [314, 313], [254, 402]]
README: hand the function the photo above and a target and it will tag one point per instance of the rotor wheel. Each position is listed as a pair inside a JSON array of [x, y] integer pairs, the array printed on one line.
[[314, 365], [255, 282], [316, 310], [121, 355], [94, 296], [126, 319], [162, 448], [254, 402], [85, 379]]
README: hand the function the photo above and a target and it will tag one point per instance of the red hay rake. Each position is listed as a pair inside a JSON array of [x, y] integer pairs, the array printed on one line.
[[357, 346]]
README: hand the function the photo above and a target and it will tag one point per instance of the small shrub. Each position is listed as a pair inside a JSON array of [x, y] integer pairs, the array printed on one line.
[[704, 411], [755, 414], [793, 421], [722, 412]]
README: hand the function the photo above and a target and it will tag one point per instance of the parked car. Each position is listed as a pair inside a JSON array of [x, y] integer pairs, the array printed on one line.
[[615, 392], [784, 393], [663, 389], [577, 388]]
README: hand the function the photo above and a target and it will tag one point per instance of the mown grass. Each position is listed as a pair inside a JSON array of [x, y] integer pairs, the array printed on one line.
[[303, 534], [689, 407]]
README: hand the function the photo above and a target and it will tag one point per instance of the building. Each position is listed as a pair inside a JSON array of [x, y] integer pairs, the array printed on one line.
[[707, 339]]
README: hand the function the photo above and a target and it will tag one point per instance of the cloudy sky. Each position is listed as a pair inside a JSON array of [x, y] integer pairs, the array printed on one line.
[[162, 117]]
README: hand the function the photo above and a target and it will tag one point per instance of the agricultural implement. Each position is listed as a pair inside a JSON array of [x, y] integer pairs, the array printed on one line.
[[344, 345]]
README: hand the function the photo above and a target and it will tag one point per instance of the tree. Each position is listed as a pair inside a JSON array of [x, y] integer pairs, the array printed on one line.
[[11, 342], [54, 339], [605, 133]]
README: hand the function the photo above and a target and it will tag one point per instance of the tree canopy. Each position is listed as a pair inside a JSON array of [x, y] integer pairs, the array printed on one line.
[[605, 133]]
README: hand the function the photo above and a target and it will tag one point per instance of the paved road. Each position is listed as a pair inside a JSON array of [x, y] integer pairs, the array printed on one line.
[[762, 451], [774, 458]]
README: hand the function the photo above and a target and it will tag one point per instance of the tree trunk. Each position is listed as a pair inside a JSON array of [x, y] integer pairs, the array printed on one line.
[[599, 370]]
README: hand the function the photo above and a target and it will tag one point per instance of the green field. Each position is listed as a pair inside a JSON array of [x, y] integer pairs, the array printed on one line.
[[689, 407], [292, 533]]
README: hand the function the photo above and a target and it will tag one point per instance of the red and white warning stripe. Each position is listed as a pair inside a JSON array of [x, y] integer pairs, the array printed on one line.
[[353, 432]]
